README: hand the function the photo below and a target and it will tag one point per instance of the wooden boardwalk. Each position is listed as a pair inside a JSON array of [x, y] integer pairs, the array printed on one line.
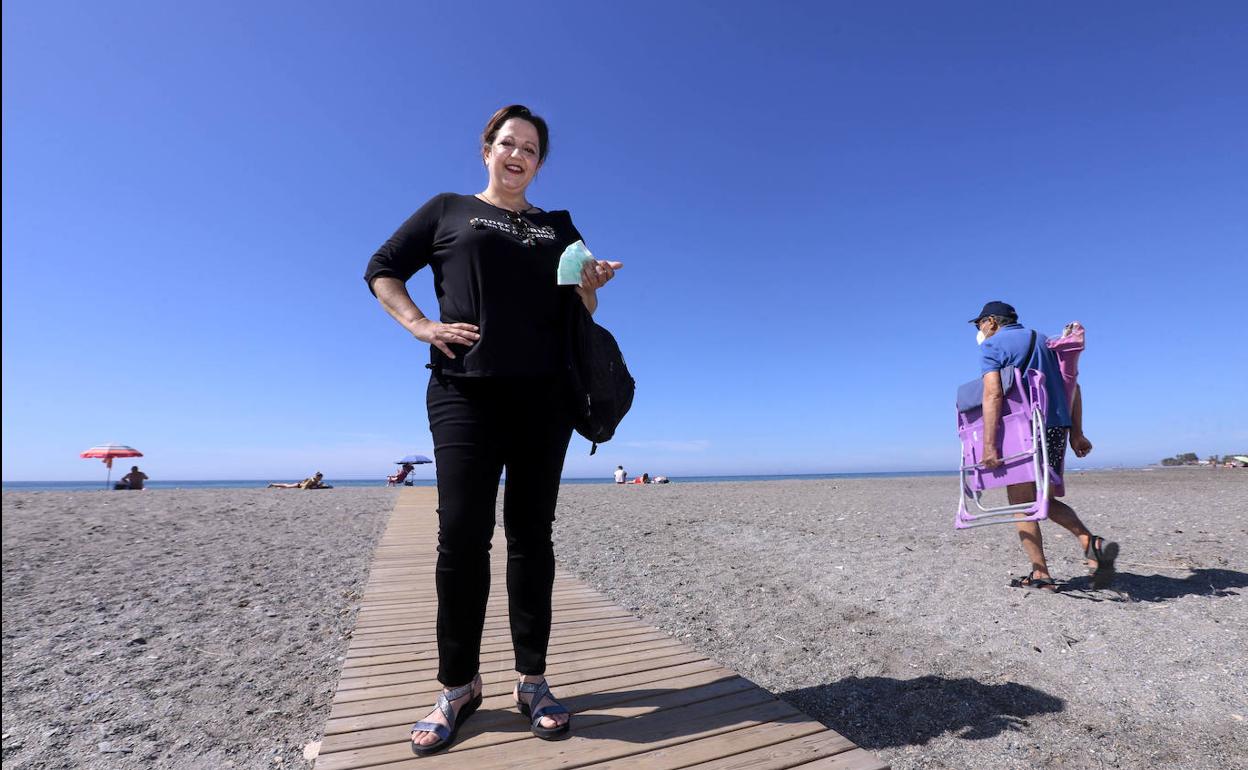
[[641, 698]]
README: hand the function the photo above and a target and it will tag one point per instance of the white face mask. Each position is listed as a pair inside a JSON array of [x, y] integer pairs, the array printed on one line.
[[980, 337]]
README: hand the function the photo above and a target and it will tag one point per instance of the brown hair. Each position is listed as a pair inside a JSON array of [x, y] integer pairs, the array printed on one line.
[[523, 113]]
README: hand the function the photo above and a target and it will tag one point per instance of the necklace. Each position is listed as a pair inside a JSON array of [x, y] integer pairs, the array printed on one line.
[[521, 227], [490, 201]]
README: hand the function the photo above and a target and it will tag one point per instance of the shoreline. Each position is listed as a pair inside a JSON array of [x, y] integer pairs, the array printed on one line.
[[160, 485]]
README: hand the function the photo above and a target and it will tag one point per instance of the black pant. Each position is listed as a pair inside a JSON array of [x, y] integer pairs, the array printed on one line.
[[481, 425]]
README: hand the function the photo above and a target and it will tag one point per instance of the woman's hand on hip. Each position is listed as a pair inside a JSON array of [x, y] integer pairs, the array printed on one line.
[[596, 273], [442, 335]]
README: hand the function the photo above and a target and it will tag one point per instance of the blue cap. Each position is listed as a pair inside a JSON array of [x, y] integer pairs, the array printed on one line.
[[996, 307]]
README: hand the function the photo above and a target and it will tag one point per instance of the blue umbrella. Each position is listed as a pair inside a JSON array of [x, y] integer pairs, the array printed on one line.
[[413, 460]]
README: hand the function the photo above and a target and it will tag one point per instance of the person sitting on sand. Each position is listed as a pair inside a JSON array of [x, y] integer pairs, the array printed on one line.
[[621, 476], [311, 482], [1004, 342], [132, 480]]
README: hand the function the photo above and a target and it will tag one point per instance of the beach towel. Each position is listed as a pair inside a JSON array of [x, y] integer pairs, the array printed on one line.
[[1067, 348]]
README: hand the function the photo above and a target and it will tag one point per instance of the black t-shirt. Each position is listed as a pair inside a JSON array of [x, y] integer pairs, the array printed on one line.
[[491, 268]]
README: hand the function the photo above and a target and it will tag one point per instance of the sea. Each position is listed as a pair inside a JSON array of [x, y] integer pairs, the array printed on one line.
[[97, 485]]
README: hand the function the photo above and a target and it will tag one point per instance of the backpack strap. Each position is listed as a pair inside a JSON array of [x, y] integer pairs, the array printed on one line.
[[1031, 349]]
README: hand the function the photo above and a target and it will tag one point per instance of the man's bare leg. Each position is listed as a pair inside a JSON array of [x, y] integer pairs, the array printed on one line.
[[1029, 531], [1065, 516]]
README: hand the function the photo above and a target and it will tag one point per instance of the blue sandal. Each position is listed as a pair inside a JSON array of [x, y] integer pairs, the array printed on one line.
[[446, 735], [538, 691]]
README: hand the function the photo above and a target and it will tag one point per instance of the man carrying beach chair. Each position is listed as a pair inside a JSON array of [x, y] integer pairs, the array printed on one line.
[[1005, 343]]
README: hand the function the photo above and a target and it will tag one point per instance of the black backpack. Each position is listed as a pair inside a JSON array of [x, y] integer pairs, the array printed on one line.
[[601, 387]]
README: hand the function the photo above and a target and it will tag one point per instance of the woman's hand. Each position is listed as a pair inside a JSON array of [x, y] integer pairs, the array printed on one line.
[[596, 273], [441, 335]]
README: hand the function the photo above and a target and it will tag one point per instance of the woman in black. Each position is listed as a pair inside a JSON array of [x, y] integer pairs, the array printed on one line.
[[495, 400]]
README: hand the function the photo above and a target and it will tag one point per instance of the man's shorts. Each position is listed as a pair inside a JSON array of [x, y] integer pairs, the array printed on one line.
[[1055, 438]]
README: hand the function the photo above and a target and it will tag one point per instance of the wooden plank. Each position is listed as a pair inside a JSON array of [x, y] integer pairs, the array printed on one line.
[[603, 640], [429, 637], [407, 619], [792, 753], [410, 709], [580, 667], [379, 729], [369, 657], [492, 630], [420, 667], [592, 729], [719, 746], [854, 759], [418, 649], [640, 698], [504, 661]]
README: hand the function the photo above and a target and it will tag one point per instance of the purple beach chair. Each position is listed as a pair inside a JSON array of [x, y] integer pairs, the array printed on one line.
[[1024, 452]]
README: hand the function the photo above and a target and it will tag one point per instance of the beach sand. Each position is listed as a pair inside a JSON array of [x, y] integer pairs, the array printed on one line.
[[853, 599], [857, 601], [178, 628]]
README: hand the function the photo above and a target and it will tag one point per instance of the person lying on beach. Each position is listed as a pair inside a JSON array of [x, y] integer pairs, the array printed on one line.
[[132, 480], [1004, 342], [311, 482]]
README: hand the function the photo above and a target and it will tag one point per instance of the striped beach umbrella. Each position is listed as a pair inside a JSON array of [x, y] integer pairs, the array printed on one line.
[[107, 452]]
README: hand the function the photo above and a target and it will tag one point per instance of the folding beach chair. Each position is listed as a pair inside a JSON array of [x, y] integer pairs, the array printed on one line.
[[1024, 451], [399, 478]]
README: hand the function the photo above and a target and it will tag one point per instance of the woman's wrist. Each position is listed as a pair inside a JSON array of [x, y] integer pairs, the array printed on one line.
[[589, 298], [416, 324]]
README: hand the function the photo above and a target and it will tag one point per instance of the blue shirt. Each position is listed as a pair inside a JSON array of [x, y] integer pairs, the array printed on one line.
[[1008, 347]]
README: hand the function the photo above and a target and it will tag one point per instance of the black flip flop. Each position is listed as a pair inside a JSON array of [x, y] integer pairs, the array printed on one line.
[[1105, 552], [1031, 581]]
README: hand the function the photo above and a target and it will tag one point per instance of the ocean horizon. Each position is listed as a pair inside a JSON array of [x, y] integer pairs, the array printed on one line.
[[97, 485]]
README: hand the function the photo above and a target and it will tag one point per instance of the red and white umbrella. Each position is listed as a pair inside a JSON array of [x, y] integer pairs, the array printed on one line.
[[107, 452]]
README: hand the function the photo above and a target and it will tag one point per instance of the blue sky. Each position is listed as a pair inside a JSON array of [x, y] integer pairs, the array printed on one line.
[[810, 200]]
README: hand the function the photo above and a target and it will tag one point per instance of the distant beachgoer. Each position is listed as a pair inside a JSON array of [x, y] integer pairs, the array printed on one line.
[[661, 480], [401, 476], [132, 480], [496, 400], [1004, 342], [620, 475], [311, 482]]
